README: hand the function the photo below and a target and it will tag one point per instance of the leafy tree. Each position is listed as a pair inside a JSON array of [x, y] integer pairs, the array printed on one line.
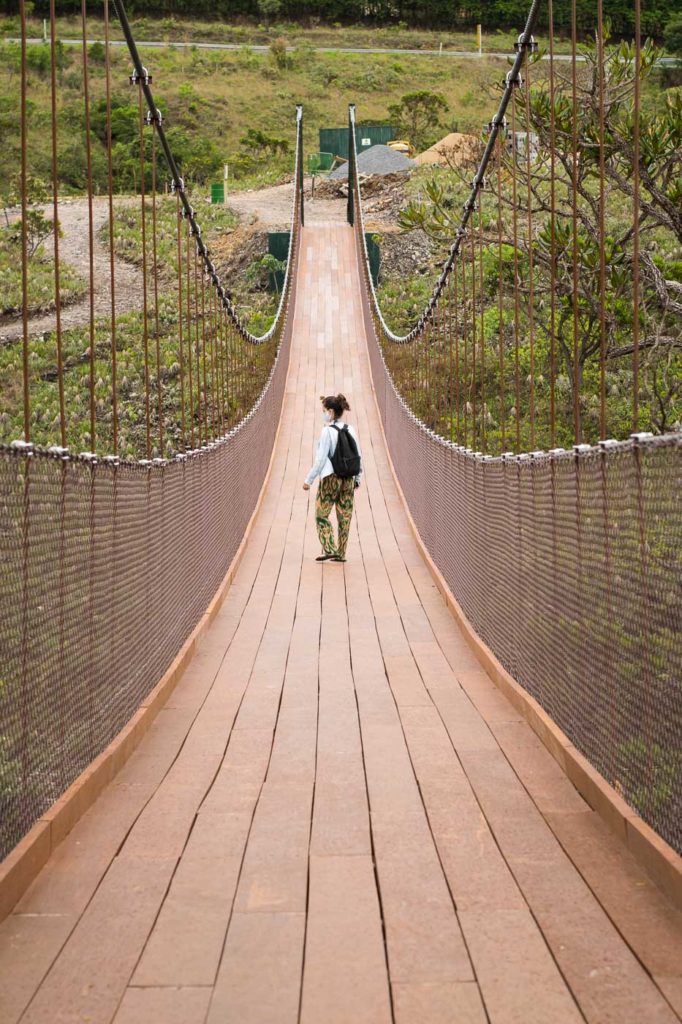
[[264, 272], [258, 141], [417, 116], [672, 35], [660, 230], [270, 9], [38, 230], [124, 120], [198, 157], [492, 14]]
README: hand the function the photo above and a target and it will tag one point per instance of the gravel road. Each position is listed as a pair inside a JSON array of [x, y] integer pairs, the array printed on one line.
[[74, 249], [270, 207]]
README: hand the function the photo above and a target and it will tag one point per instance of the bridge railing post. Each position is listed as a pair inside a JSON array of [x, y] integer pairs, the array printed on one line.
[[350, 213], [299, 145]]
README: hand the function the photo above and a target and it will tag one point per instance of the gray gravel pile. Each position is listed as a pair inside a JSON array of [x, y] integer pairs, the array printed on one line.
[[377, 160]]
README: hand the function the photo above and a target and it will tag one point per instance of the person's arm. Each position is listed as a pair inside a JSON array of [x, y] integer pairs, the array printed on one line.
[[321, 456], [358, 478]]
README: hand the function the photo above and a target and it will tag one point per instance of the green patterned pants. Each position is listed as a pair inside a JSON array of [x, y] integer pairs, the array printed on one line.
[[333, 490]]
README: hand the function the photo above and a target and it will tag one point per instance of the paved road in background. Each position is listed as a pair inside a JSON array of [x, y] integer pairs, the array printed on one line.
[[259, 48], [471, 54]]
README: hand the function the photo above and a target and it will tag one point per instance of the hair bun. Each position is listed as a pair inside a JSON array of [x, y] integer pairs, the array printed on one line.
[[344, 401]]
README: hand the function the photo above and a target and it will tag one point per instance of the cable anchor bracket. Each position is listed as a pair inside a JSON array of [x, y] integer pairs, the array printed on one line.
[[145, 77]]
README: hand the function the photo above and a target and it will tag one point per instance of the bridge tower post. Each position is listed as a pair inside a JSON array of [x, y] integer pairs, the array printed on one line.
[[299, 144], [350, 214]]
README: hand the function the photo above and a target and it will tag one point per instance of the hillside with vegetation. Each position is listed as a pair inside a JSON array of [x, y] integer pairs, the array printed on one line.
[[221, 106], [237, 106]]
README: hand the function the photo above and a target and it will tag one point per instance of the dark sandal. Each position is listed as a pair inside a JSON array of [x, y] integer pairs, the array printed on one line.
[[324, 558]]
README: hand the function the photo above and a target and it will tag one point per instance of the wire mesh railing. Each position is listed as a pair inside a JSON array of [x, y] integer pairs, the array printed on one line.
[[565, 560], [109, 561]]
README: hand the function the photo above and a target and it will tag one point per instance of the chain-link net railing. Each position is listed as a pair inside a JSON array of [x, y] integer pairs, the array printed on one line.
[[107, 568]]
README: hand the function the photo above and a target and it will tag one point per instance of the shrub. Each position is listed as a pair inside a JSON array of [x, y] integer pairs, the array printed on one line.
[[97, 53], [278, 52]]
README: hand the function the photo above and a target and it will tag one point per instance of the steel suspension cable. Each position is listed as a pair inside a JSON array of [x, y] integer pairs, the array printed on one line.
[[197, 351], [474, 382], [181, 344], [529, 246], [189, 339], [574, 217], [55, 224], [112, 261], [552, 230], [143, 229], [525, 41], [91, 231], [24, 225], [141, 76], [157, 332], [602, 222], [465, 354], [636, 214], [500, 296], [517, 289], [482, 327]]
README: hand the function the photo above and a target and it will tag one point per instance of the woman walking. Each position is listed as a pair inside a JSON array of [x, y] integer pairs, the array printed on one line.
[[338, 464]]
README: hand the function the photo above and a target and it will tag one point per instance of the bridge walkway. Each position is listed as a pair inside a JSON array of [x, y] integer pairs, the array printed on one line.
[[337, 818]]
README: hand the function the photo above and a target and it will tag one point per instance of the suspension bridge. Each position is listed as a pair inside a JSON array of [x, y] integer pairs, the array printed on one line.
[[439, 782]]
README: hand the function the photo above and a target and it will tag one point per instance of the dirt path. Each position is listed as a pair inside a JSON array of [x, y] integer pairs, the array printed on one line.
[[268, 207], [272, 206], [74, 250]]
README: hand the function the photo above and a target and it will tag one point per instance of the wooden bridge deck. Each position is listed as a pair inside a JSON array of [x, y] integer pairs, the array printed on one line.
[[337, 818]]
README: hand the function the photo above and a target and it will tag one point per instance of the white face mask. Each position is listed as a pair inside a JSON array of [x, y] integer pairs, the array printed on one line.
[[327, 417]]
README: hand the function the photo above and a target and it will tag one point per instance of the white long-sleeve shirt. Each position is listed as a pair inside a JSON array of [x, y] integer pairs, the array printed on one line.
[[326, 447]]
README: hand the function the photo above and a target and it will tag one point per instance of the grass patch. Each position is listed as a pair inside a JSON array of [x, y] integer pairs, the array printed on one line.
[[41, 282]]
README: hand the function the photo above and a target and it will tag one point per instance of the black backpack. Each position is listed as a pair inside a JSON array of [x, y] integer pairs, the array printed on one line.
[[346, 458]]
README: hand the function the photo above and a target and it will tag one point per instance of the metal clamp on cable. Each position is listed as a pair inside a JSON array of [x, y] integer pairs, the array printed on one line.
[[59, 452], [145, 77], [531, 45], [23, 446], [154, 117], [514, 80], [496, 123]]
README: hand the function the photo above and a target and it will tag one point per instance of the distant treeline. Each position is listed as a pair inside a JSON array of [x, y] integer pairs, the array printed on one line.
[[439, 14]]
